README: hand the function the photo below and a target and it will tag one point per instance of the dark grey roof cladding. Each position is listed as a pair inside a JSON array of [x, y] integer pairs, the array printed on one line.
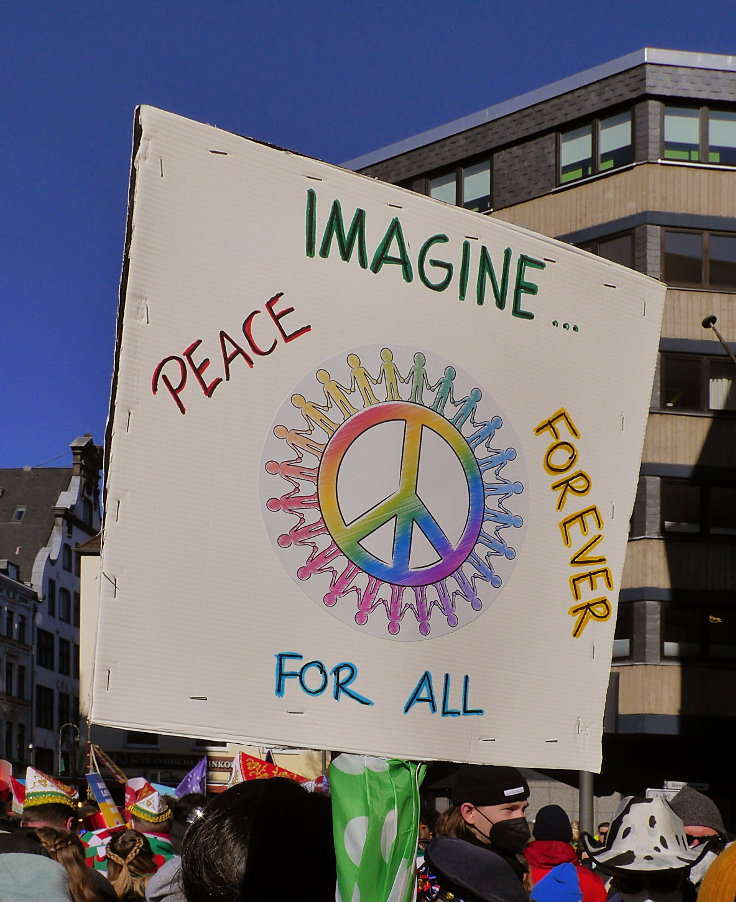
[[38, 489], [646, 55]]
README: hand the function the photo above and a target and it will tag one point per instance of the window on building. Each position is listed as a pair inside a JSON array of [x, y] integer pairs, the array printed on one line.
[[706, 631], [680, 632], [77, 609], [13, 571], [624, 631], [44, 759], [209, 743], [77, 565], [65, 657], [9, 623], [596, 147], [617, 248], [19, 513], [700, 135], [44, 708], [64, 709], [9, 739], [65, 605], [51, 598], [695, 382], [700, 259], [698, 508], [75, 673], [9, 675], [21, 682], [22, 628], [45, 649], [21, 749], [66, 557], [468, 185], [87, 511], [149, 740]]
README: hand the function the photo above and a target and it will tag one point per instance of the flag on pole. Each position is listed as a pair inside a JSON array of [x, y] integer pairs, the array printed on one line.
[[97, 756], [195, 780], [247, 767], [108, 809], [375, 811]]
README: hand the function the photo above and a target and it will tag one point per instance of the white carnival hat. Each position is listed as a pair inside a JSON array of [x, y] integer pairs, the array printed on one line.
[[645, 835]]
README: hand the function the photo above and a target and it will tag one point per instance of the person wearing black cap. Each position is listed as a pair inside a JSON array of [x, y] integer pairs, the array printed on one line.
[[554, 862], [489, 802]]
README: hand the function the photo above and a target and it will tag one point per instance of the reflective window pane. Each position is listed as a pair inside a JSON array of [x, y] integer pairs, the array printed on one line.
[[722, 385], [624, 631], [681, 134], [723, 510], [722, 255], [680, 383], [477, 186], [619, 249], [721, 633], [615, 141], [680, 632], [443, 188], [683, 257], [576, 154], [680, 505], [722, 138]]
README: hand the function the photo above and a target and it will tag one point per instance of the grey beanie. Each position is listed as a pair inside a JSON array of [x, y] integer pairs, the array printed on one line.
[[696, 810]]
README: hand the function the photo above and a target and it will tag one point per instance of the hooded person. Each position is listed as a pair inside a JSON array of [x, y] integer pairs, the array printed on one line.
[[647, 853], [554, 870], [703, 824], [488, 808]]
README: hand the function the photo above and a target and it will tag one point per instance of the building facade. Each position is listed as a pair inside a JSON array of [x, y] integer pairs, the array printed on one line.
[[635, 160], [45, 512], [18, 606]]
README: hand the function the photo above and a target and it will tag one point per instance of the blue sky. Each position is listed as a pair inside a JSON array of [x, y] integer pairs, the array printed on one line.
[[327, 79]]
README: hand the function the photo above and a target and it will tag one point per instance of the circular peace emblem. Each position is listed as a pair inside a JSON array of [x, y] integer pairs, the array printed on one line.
[[393, 492]]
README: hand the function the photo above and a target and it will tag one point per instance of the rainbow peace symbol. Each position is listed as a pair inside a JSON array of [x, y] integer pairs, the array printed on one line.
[[392, 490]]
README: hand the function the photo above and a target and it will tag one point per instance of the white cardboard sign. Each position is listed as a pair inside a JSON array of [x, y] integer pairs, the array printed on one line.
[[371, 464]]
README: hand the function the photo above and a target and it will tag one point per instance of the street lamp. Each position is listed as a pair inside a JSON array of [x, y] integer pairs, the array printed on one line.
[[710, 323], [60, 745]]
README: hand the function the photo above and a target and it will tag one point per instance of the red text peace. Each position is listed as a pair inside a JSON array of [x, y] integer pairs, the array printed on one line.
[[262, 331]]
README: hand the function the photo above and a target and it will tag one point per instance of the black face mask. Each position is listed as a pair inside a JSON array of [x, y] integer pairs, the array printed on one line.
[[511, 835]]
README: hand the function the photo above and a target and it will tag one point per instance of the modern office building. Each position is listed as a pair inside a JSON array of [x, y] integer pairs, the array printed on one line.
[[45, 512], [635, 160]]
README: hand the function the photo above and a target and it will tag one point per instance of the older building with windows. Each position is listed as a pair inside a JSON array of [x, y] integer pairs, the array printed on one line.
[[635, 160], [45, 512], [18, 606]]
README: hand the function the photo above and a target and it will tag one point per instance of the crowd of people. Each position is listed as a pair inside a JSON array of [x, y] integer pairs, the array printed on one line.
[[272, 839]]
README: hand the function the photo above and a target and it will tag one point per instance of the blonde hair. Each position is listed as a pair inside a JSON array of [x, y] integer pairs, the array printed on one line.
[[66, 848], [130, 863]]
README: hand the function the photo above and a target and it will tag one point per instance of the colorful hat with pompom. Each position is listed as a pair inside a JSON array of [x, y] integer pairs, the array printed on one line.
[[44, 790], [149, 806]]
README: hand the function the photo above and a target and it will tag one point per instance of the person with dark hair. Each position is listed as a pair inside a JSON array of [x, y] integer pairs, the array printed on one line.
[[237, 851], [165, 885], [130, 863]]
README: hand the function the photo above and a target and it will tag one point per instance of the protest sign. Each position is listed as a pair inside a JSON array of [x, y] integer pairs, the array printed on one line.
[[370, 464]]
